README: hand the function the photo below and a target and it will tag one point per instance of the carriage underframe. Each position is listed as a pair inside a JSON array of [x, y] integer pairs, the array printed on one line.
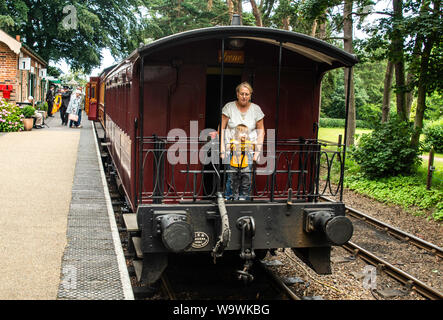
[[250, 228]]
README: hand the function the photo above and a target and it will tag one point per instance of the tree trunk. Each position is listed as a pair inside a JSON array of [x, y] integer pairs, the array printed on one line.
[[285, 22], [314, 28], [230, 9], [179, 7], [422, 82], [320, 24], [210, 3], [409, 94], [386, 107], [416, 52], [421, 93], [257, 14], [398, 59], [347, 42], [240, 10], [322, 30]]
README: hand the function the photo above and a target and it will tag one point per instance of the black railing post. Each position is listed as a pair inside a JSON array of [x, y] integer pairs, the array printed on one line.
[[342, 169], [276, 122], [317, 164], [220, 138], [141, 117], [135, 159]]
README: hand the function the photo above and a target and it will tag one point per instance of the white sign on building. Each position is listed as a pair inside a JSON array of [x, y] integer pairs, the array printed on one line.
[[24, 64], [42, 73]]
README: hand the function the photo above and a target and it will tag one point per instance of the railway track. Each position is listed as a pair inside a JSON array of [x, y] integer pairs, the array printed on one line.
[[279, 283], [405, 278], [174, 287], [220, 283], [396, 233]]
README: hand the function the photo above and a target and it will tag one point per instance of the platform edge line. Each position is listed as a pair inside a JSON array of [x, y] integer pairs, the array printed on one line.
[[124, 274]]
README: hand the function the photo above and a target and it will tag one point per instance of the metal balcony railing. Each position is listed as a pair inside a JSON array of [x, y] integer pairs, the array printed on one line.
[[191, 170]]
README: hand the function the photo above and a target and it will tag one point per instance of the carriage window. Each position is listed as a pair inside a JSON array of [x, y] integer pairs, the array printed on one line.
[[93, 91]]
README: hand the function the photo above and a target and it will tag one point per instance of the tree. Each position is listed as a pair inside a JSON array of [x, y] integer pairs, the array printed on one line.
[[349, 83], [257, 13], [77, 76], [75, 31], [412, 42], [428, 24], [315, 9], [411, 35], [165, 17], [386, 106], [378, 48]]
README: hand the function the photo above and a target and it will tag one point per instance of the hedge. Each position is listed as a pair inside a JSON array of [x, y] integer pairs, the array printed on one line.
[[340, 123]]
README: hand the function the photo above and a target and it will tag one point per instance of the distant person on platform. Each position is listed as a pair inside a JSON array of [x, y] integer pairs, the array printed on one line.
[[37, 115], [81, 108], [74, 108], [66, 97], [50, 96]]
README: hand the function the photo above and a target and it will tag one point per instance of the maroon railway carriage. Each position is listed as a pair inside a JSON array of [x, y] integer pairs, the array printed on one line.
[[91, 97], [95, 96], [159, 100]]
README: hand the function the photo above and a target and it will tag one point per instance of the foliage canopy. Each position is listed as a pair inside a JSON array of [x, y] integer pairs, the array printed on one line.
[[75, 30]]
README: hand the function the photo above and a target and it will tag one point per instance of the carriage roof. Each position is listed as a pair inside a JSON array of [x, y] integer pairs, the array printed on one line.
[[312, 48]]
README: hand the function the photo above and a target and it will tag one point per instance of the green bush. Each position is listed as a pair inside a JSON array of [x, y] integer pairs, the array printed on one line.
[[43, 106], [340, 123], [11, 118], [433, 132], [438, 213], [386, 151], [28, 111]]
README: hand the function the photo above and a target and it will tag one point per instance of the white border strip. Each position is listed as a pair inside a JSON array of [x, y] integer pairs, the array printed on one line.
[[124, 275]]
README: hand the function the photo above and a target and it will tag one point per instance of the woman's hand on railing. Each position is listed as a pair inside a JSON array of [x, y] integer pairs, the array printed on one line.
[[256, 156]]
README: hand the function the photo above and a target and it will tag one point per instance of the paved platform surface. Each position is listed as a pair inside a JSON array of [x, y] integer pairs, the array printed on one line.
[[58, 235]]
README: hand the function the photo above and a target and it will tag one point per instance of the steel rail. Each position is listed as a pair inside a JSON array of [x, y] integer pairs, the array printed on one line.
[[391, 270], [405, 278], [167, 288], [279, 283], [397, 233]]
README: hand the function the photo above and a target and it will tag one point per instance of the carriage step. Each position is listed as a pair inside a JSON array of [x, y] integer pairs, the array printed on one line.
[[138, 246], [138, 267], [130, 220]]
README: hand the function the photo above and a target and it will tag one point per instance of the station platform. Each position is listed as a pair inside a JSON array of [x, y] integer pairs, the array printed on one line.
[[57, 227]]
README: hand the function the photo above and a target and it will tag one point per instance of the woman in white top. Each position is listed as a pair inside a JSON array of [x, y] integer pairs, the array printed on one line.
[[243, 111]]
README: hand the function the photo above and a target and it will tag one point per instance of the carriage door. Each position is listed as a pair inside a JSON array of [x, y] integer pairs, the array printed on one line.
[[87, 98], [92, 115]]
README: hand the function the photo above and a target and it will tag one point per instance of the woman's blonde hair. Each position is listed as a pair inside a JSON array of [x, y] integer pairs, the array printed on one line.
[[246, 85]]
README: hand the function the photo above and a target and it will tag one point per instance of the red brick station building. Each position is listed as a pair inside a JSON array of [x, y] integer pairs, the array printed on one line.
[[22, 71]]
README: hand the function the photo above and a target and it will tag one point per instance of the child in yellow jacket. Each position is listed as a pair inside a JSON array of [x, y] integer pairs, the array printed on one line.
[[241, 161]]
